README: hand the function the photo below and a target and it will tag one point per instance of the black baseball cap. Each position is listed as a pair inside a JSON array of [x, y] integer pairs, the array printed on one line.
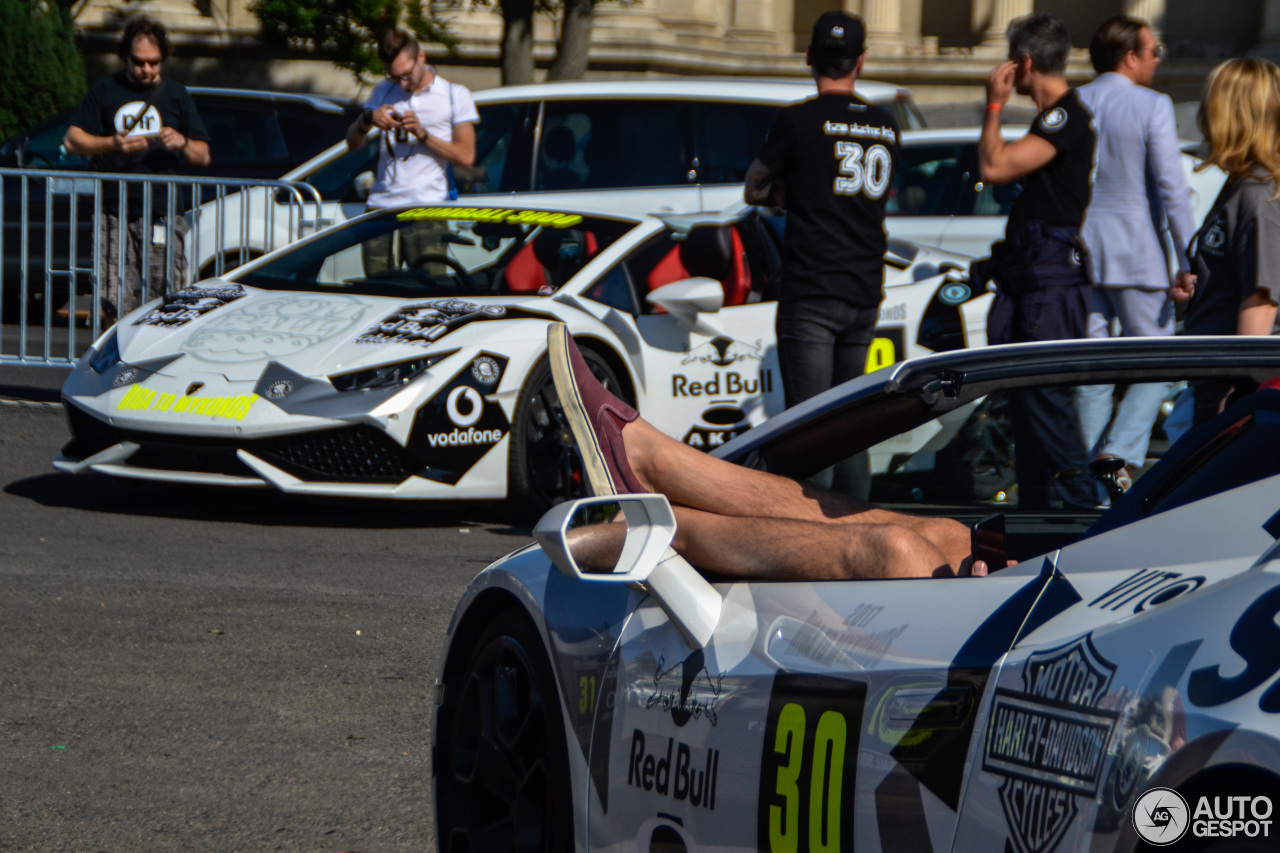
[[838, 35]]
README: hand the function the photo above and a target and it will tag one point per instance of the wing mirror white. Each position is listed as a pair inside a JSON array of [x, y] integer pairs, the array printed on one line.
[[689, 300], [627, 539]]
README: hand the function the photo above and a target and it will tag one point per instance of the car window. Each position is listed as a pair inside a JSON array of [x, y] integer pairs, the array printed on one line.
[[498, 168], [44, 150], [307, 132], [906, 114], [243, 133], [744, 257], [727, 137], [335, 180], [608, 144], [443, 252], [934, 180]]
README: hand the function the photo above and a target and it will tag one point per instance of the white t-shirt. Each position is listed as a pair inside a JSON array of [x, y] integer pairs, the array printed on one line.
[[409, 173]]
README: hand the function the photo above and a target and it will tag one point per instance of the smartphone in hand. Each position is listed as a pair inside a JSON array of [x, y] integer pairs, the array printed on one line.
[[987, 542]]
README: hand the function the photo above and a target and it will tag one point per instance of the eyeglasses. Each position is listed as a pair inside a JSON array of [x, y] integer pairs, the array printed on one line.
[[140, 62], [405, 78], [1157, 51]]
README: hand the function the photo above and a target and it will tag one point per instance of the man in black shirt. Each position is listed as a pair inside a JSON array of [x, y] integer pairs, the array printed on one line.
[[830, 162], [1042, 285], [137, 121]]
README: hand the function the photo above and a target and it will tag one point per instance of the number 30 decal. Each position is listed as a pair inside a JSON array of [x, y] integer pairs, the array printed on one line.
[[863, 172], [807, 772]]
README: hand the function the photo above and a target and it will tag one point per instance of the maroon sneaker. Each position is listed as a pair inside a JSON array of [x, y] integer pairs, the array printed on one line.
[[595, 416]]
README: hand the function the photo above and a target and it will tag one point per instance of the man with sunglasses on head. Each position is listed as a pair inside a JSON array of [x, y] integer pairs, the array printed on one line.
[[1042, 283], [1139, 187], [428, 125], [139, 121]]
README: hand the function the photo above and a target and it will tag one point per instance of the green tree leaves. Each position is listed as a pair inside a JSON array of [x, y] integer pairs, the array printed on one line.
[[41, 67]]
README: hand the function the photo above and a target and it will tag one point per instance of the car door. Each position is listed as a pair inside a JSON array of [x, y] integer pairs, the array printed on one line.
[[819, 716]]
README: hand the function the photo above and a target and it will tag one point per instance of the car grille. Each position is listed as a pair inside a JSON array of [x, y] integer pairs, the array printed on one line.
[[354, 454]]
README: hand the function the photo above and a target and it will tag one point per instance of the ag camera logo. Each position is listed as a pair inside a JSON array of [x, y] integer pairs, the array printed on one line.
[[1160, 816]]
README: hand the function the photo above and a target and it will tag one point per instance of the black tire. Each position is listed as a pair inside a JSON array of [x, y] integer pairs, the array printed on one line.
[[502, 768], [545, 466]]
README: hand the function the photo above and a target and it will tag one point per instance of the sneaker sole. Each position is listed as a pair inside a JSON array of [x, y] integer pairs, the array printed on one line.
[[593, 462]]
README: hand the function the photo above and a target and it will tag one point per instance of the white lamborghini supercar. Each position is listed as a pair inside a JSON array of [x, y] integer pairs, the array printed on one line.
[[1116, 688], [402, 354]]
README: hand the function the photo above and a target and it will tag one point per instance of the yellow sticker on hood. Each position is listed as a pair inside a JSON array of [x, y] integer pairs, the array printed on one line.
[[141, 399], [492, 214]]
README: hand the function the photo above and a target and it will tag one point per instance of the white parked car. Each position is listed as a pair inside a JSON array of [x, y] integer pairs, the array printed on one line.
[[940, 200], [308, 372], [669, 145]]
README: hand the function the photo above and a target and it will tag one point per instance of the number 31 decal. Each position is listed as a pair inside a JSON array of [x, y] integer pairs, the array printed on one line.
[[808, 769], [863, 172]]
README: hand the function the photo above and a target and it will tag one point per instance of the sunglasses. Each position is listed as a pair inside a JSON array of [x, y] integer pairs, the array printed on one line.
[[149, 63]]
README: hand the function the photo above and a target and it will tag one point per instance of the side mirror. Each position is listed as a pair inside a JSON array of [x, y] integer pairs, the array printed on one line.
[[689, 300], [627, 539]]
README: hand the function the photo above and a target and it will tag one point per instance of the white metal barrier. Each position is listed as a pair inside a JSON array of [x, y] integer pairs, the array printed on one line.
[[53, 247]]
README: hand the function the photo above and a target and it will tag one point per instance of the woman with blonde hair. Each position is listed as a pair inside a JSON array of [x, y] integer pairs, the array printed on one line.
[[1236, 253]]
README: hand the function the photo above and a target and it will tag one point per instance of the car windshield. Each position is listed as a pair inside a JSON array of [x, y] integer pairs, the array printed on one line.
[[444, 251]]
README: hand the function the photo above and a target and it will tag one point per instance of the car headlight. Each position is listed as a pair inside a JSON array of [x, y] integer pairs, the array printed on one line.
[[386, 375], [942, 324], [107, 357]]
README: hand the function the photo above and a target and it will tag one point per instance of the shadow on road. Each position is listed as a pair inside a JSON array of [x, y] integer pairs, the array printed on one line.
[[100, 493]]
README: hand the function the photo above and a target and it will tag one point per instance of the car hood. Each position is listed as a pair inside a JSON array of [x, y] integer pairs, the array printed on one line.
[[234, 329]]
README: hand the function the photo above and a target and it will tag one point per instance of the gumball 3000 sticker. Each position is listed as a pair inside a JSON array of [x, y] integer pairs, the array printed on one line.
[[274, 327]]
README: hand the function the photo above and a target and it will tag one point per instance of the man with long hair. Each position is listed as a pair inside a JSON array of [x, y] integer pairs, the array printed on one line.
[[139, 121]]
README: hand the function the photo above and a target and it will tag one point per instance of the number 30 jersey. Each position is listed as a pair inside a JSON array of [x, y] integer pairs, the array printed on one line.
[[836, 156]]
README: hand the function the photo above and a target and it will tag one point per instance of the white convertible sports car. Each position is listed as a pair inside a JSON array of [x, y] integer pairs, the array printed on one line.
[[1116, 688], [312, 372]]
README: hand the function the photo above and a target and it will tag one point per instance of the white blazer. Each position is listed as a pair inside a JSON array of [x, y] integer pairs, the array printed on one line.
[[1139, 184]]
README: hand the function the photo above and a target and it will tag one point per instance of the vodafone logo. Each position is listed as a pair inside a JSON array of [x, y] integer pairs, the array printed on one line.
[[464, 406]]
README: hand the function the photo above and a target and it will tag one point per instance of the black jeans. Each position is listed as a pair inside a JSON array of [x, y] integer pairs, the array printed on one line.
[[823, 342]]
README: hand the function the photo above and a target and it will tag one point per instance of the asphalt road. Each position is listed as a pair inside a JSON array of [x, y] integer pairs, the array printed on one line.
[[207, 670]]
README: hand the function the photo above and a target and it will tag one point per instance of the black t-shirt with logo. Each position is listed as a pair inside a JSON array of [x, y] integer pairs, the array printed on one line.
[[1234, 254], [836, 155], [116, 104], [1058, 193]]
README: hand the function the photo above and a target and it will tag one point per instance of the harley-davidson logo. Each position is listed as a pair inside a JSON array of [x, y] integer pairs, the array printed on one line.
[[1049, 741]]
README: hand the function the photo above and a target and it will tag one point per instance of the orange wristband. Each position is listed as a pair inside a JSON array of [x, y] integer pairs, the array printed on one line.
[[994, 108]]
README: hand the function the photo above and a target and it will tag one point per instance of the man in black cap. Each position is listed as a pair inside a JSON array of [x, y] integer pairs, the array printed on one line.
[[829, 161]]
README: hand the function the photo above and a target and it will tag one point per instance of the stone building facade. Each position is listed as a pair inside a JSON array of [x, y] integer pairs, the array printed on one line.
[[941, 49]]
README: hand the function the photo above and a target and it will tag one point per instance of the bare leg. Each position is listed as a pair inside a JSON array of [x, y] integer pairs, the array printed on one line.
[[791, 549], [691, 478]]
